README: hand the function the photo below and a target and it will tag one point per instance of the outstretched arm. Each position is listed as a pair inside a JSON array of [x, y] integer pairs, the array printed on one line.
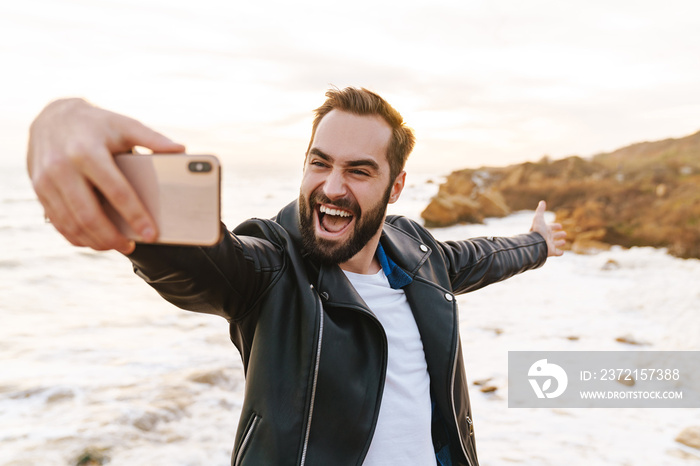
[[71, 144], [552, 233]]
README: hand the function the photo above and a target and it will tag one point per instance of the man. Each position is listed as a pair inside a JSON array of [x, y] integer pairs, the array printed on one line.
[[345, 319]]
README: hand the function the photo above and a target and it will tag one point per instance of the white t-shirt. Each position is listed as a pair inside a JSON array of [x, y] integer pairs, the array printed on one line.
[[402, 436]]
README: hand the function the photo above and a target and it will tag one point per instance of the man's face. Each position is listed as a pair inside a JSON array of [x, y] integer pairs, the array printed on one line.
[[346, 187]]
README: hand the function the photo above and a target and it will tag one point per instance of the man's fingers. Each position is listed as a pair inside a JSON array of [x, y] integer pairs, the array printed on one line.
[[60, 217], [71, 204], [553, 233], [557, 230], [558, 238], [134, 133], [71, 218], [70, 156], [103, 172], [89, 224]]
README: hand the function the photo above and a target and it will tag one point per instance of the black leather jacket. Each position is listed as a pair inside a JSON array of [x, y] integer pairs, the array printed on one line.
[[314, 355]]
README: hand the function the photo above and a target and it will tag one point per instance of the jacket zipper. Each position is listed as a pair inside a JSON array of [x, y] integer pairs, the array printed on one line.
[[374, 318], [452, 398], [246, 439], [315, 380]]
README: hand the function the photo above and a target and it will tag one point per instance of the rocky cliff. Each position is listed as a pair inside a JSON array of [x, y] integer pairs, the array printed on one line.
[[646, 194]]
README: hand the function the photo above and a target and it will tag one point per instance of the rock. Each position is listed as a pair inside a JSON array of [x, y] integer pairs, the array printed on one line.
[[646, 194], [60, 395], [492, 204], [573, 338], [588, 246], [610, 264], [488, 389], [482, 381], [690, 436], [92, 457], [147, 421], [449, 210], [212, 377], [626, 380], [629, 340], [684, 455], [585, 227]]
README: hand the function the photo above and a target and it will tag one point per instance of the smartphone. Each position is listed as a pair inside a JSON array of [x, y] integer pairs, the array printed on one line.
[[182, 192]]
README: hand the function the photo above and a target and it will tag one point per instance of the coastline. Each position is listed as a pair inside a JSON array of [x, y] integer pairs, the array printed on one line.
[[92, 357]]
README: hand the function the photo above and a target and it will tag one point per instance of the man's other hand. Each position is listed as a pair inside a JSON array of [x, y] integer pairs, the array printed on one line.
[[70, 155], [552, 232]]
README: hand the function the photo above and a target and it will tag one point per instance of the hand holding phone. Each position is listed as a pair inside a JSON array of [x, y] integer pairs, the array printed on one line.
[[69, 160], [182, 193]]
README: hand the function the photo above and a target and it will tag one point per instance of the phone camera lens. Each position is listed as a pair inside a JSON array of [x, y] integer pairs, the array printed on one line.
[[199, 167]]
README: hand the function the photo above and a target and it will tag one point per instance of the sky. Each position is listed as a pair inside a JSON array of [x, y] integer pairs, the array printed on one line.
[[481, 82]]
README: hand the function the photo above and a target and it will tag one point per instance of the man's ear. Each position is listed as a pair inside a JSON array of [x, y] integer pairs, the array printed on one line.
[[397, 187]]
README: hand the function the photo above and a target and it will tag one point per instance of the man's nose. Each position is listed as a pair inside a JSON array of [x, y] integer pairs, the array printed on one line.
[[334, 186]]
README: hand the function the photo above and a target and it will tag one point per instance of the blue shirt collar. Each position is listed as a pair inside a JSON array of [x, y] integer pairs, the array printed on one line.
[[395, 275]]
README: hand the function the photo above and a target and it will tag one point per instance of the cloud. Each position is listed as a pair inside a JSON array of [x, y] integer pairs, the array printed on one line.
[[507, 79]]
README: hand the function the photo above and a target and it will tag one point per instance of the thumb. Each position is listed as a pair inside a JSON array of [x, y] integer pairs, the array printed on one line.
[[541, 208], [538, 219], [135, 133]]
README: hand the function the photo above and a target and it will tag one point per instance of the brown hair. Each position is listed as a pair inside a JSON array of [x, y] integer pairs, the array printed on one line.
[[364, 102]]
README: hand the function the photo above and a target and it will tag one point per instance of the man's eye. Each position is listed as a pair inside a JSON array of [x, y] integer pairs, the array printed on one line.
[[359, 172], [318, 163]]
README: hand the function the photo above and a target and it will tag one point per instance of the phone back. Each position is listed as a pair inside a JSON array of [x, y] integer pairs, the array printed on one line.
[[181, 192]]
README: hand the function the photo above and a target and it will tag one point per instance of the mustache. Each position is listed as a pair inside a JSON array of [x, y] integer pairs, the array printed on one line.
[[317, 197]]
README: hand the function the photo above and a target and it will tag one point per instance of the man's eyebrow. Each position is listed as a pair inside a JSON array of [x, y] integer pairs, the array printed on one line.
[[364, 163], [352, 163], [321, 154]]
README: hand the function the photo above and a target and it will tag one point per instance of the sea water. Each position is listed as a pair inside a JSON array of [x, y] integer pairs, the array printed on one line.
[[92, 358]]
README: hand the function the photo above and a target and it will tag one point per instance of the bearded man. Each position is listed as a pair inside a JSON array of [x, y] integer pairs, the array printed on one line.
[[345, 318]]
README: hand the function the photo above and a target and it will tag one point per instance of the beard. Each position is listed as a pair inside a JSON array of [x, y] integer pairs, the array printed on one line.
[[329, 252]]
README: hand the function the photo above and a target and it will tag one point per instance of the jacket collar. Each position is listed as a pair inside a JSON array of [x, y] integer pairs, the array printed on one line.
[[409, 252], [406, 251]]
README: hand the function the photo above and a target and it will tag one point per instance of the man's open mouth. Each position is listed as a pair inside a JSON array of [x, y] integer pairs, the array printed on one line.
[[333, 219]]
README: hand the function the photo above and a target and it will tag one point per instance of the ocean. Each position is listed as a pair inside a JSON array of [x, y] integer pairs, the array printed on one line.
[[92, 358]]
